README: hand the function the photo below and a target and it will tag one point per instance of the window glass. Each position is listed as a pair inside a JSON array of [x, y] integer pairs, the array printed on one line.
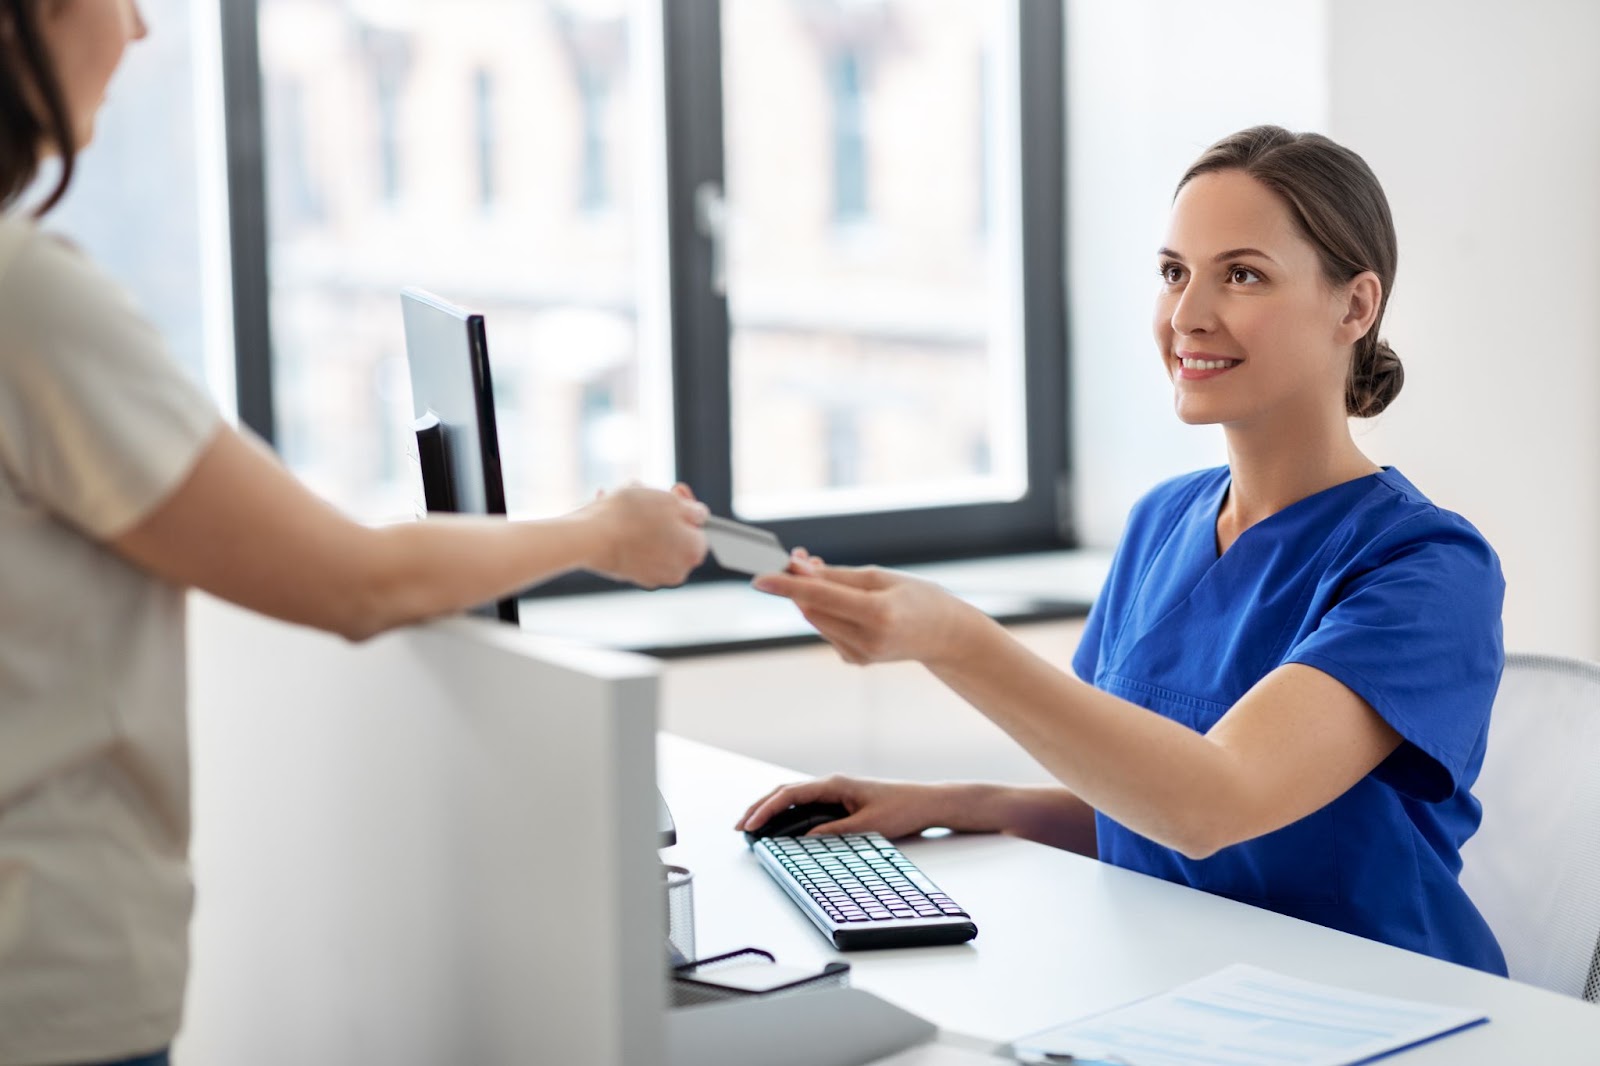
[[484, 150], [873, 255]]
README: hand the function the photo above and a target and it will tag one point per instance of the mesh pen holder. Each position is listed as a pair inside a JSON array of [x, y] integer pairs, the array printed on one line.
[[678, 887], [695, 983]]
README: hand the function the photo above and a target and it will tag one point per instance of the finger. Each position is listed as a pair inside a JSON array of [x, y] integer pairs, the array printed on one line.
[[836, 629], [785, 797], [748, 811], [860, 577], [784, 583], [682, 491], [778, 799], [811, 593], [779, 584]]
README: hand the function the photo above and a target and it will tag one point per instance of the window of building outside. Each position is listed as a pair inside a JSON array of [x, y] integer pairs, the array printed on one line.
[[874, 317], [596, 194], [849, 138], [487, 137]]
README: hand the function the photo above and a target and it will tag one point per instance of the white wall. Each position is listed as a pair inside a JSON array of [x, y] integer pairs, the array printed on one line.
[[1149, 85], [1482, 119], [1483, 122]]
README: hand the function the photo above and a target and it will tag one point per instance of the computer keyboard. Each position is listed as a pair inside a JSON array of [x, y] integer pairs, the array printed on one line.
[[862, 892]]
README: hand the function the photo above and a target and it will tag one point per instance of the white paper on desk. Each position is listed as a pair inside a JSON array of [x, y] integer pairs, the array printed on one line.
[[1247, 1016]]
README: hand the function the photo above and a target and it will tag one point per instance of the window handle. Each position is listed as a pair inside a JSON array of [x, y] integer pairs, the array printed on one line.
[[711, 219]]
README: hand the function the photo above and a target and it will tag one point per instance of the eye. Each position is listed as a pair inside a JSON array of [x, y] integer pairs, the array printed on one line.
[[1243, 275], [1171, 273]]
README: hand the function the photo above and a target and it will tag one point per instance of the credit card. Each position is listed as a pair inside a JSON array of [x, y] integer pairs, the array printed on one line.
[[746, 549]]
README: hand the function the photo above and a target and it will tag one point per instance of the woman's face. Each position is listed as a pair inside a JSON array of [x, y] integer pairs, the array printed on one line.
[[86, 39], [1245, 321]]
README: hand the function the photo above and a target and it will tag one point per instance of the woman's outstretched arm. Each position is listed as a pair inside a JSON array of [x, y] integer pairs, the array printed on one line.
[[1293, 744], [243, 528]]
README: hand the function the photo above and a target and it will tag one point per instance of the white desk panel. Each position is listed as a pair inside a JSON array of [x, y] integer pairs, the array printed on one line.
[[1061, 935]]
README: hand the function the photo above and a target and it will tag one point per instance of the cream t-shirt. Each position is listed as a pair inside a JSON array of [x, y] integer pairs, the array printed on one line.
[[97, 427]]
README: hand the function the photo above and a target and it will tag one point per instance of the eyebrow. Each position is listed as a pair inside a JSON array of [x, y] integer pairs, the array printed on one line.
[[1231, 253]]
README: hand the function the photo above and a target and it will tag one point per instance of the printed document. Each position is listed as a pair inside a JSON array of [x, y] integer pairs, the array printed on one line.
[[1247, 1016]]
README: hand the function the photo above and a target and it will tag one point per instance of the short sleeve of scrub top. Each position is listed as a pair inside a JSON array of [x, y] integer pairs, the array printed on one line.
[[1372, 584]]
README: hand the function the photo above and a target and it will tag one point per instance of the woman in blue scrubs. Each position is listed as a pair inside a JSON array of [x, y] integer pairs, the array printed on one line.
[[1283, 691]]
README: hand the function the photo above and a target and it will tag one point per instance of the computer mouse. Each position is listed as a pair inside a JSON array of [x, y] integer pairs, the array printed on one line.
[[797, 820]]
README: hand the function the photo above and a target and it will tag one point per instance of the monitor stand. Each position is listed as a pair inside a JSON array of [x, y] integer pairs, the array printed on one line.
[[664, 825]]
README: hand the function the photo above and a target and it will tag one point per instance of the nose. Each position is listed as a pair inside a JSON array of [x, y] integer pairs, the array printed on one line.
[[141, 30], [1194, 311]]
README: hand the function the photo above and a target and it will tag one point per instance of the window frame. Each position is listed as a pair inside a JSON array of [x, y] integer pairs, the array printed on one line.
[[700, 331]]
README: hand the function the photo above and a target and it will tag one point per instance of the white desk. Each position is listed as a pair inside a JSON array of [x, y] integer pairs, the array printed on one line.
[[1061, 935]]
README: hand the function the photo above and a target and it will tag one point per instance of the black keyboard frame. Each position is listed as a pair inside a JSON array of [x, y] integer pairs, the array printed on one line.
[[779, 856]]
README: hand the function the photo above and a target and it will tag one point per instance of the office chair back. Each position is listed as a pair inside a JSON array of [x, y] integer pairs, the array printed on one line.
[[1533, 869]]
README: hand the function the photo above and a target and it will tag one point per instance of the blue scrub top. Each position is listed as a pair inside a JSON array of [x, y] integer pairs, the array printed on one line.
[[1373, 585]]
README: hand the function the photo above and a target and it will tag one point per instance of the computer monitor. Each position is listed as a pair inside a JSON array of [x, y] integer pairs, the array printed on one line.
[[452, 395], [458, 448]]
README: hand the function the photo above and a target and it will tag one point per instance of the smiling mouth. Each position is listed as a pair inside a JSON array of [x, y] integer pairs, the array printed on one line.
[[1207, 364]]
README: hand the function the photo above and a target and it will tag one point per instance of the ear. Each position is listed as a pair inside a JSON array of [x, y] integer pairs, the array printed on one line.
[[1362, 297]]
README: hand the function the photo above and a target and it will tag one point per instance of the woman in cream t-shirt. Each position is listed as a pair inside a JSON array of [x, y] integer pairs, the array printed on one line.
[[120, 487]]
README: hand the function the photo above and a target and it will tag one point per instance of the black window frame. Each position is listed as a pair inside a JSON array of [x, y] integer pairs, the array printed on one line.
[[702, 409]]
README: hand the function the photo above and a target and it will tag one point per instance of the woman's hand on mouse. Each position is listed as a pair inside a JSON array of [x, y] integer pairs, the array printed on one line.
[[872, 615], [893, 808]]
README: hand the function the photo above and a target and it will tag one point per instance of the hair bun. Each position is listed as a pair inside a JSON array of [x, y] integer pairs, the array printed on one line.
[[1375, 381]]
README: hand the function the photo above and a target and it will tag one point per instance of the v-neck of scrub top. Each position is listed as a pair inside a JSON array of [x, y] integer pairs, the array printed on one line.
[[1173, 628]]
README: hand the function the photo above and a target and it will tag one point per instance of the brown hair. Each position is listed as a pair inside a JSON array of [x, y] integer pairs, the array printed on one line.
[[1339, 206], [28, 85]]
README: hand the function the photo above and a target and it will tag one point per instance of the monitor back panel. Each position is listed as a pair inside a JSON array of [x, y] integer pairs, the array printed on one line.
[[436, 846]]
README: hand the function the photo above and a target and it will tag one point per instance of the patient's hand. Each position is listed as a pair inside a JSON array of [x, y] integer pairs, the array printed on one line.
[[893, 808], [874, 615], [645, 536]]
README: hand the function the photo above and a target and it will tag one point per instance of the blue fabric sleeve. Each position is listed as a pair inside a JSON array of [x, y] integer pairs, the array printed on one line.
[[1087, 656], [1415, 631]]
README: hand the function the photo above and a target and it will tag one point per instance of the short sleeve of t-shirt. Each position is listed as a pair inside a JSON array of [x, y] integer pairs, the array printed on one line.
[[1416, 633], [97, 424]]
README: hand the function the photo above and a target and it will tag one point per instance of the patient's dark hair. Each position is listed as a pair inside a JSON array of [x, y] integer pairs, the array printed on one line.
[[1339, 206], [34, 120]]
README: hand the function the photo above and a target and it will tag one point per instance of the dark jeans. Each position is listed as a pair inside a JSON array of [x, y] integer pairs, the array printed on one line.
[[155, 1058]]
